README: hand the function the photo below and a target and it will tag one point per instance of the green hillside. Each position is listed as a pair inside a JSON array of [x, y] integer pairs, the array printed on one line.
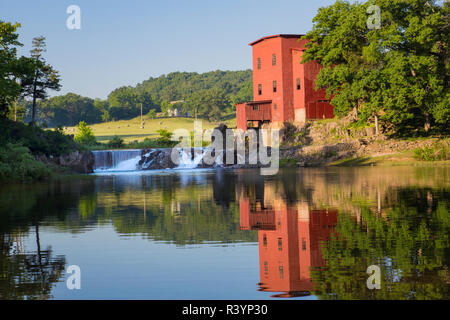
[[210, 95]]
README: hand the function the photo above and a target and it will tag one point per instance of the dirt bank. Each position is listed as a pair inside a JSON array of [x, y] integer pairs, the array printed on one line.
[[332, 143]]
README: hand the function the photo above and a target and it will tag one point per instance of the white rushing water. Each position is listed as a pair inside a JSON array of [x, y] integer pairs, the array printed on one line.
[[128, 165], [189, 161], [116, 160]]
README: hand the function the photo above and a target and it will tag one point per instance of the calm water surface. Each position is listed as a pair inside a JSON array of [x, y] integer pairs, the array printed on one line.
[[202, 234]]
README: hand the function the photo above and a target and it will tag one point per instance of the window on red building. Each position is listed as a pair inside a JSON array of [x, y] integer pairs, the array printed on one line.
[[303, 244], [259, 89], [266, 267], [280, 244], [274, 60], [298, 84], [274, 106], [280, 269], [259, 63], [265, 240], [274, 86], [255, 107]]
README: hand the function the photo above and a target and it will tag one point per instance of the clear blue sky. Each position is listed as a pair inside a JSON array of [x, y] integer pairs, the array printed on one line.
[[126, 42]]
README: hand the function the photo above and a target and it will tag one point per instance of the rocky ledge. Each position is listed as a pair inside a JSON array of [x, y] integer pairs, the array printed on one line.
[[155, 159]]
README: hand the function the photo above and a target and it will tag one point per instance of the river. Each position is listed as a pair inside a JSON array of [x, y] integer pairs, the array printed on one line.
[[308, 233]]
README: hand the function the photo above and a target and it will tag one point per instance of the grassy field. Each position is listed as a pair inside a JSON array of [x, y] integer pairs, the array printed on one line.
[[130, 130], [405, 158]]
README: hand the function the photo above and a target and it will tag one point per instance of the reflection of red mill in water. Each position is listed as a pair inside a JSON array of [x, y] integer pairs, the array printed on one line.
[[289, 243]]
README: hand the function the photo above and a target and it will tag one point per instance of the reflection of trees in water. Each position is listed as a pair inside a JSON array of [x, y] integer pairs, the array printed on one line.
[[27, 275], [31, 275], [224, 185], [176, 208], [410, 226], [183, 210], [184, 223], [397, 221], [25, 204], [410, 244]]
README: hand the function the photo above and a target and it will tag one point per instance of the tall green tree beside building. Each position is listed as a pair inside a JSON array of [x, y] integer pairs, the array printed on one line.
[[397, 73]]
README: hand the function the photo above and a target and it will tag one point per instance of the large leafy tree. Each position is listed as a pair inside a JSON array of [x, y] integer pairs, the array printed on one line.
[[23, 68], [126, 103], [209, 104], [397, 73], [103, 107], [12, 68], [70, 109]]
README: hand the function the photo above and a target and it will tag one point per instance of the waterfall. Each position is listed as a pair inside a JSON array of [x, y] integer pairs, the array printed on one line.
[[116, 160], [130, 160]]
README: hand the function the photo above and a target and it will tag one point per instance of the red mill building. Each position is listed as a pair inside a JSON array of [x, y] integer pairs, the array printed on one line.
[[289, 237], [289, 244], [283, 88]]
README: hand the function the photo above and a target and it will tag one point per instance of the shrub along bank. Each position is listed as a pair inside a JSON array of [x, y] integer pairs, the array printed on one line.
[[21, 144]]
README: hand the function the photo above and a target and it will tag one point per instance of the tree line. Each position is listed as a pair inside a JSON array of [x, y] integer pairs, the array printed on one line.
[[210, 95], [207, 95]]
